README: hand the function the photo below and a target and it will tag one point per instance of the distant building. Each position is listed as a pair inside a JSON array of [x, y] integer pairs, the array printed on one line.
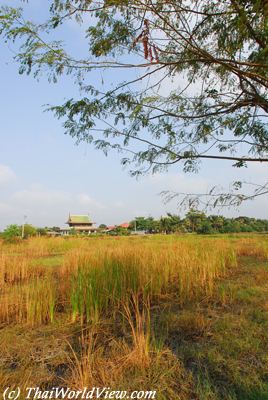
[[110, 228], [139, 233], [124, 225], [65, 230], [81, 224], [53, 233]]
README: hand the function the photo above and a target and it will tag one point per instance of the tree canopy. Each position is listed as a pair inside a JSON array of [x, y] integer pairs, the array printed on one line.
[[195, 87], [198, 222], [12, 232]]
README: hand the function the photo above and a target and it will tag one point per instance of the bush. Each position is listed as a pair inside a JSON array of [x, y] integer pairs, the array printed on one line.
[[29, 230], [12, 233], [205, 228]]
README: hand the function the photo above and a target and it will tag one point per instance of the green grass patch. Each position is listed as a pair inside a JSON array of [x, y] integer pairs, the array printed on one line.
[[51, 261]]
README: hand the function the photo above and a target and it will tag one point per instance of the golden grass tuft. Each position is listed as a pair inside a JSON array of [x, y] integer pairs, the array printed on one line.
[[97, 275], [133, 313], [252, 247]]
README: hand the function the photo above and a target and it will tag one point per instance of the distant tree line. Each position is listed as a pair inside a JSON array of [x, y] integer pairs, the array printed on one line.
[[194, 222], [13, 232], [198, 222]]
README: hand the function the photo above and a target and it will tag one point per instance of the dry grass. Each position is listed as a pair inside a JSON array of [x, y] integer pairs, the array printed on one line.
[[123, 305], [253, 247], [97, 276]]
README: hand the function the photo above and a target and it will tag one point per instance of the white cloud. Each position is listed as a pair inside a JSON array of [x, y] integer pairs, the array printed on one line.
[[47, 207], [39, 196], [6, 174], [85, 200]]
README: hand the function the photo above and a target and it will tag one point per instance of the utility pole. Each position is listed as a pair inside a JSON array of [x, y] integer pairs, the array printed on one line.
[[23, 226]]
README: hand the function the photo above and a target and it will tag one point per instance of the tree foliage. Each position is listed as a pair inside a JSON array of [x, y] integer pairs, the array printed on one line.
[[11, 233], [196, 82], [198, 222], [29, 230]]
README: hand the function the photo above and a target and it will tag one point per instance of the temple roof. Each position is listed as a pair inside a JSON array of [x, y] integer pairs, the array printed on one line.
[[79, 219], [125, 225]]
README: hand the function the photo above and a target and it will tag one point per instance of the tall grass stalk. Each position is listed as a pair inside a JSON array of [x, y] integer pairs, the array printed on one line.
[[98, 275]]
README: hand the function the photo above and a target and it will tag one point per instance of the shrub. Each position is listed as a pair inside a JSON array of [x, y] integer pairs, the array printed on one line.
[[12, 233]]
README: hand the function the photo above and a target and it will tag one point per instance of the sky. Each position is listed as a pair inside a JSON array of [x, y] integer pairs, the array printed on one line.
[[45, 176]]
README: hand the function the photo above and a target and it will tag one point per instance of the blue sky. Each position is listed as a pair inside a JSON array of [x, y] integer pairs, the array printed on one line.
[[44, 175]]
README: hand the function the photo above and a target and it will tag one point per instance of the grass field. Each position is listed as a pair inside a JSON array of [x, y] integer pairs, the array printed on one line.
[[186, 316]]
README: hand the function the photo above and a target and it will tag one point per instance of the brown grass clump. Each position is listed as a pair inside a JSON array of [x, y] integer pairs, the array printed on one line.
[[252, 247], [129, 363], [138, 318], [177, 314], [98, 276]]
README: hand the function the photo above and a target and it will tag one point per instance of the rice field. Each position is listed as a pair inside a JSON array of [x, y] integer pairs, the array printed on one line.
[[133, 305]]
